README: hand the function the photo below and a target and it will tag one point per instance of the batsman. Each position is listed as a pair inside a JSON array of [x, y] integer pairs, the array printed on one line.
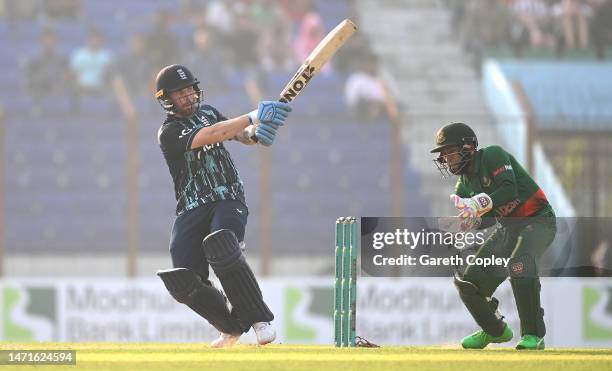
[[209, 229], [493, 187]]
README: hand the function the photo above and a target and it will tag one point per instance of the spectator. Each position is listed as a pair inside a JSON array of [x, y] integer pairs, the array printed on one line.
[[274, 50], [274, 43], [219, 16], [47, 72], [236, 25], [220, 22], [574, 16], [296, 10], [364, 92], [135, 68], [601, 26], [310, 33], [207, 61], [90, 67], [162, 45], [243, 39], [267, 16], [533, 22], [90, 64]]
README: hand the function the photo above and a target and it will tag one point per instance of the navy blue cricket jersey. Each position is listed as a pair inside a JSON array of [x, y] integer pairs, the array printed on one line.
[[200, 175]]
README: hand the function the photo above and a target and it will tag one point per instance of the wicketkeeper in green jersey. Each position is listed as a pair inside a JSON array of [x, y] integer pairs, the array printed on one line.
[[493, 186]]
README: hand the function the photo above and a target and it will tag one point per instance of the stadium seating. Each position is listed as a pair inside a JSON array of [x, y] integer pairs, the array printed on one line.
[[66, 173], [581, 93]]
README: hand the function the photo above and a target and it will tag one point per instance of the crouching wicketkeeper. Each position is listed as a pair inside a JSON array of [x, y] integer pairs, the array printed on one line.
[[493, 184]]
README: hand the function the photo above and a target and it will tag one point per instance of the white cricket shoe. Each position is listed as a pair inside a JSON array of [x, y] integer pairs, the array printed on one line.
[[225, 340], [265, 332]]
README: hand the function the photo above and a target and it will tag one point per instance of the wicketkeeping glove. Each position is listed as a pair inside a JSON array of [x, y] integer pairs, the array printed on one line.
[[472, 207]]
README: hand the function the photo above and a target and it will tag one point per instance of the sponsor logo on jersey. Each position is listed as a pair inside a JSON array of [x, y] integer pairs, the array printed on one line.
[[206, 148], [508, 208], [501, 169], [185, 132]]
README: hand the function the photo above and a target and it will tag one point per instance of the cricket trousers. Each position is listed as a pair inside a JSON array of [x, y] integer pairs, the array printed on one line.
[[191, 227], [524, 241]]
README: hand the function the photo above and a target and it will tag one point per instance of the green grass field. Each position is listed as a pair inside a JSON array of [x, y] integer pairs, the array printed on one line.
[[155, 356]]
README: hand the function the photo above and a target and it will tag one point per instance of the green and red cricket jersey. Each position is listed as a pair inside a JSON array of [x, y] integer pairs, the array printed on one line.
[[497, 173]]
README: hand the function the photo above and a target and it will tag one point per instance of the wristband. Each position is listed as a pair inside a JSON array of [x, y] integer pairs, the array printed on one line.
[[253, 117]]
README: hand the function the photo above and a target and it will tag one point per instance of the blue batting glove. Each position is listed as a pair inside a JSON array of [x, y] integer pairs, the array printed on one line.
[[271, 112], [266, 132]]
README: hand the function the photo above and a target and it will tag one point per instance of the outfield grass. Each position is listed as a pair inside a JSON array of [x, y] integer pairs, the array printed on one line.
[[175, 357]]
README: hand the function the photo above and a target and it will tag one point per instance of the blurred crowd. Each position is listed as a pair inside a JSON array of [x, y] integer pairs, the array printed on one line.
[[250, 38], [520, 25]]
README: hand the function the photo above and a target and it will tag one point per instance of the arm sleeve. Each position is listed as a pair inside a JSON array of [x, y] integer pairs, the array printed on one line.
[[499, 168], [175, 140]]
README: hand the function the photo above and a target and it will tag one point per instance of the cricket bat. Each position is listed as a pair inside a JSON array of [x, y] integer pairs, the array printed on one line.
[[317, 59]]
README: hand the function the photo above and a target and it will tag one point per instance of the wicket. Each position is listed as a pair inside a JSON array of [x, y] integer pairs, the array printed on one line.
[[345, 290]]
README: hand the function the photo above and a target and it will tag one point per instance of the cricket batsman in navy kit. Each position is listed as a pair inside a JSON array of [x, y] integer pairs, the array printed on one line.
[[493, 185], [211, 208]]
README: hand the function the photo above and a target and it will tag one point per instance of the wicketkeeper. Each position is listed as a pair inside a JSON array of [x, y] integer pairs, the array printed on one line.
[[493, 184], [211, 208]]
